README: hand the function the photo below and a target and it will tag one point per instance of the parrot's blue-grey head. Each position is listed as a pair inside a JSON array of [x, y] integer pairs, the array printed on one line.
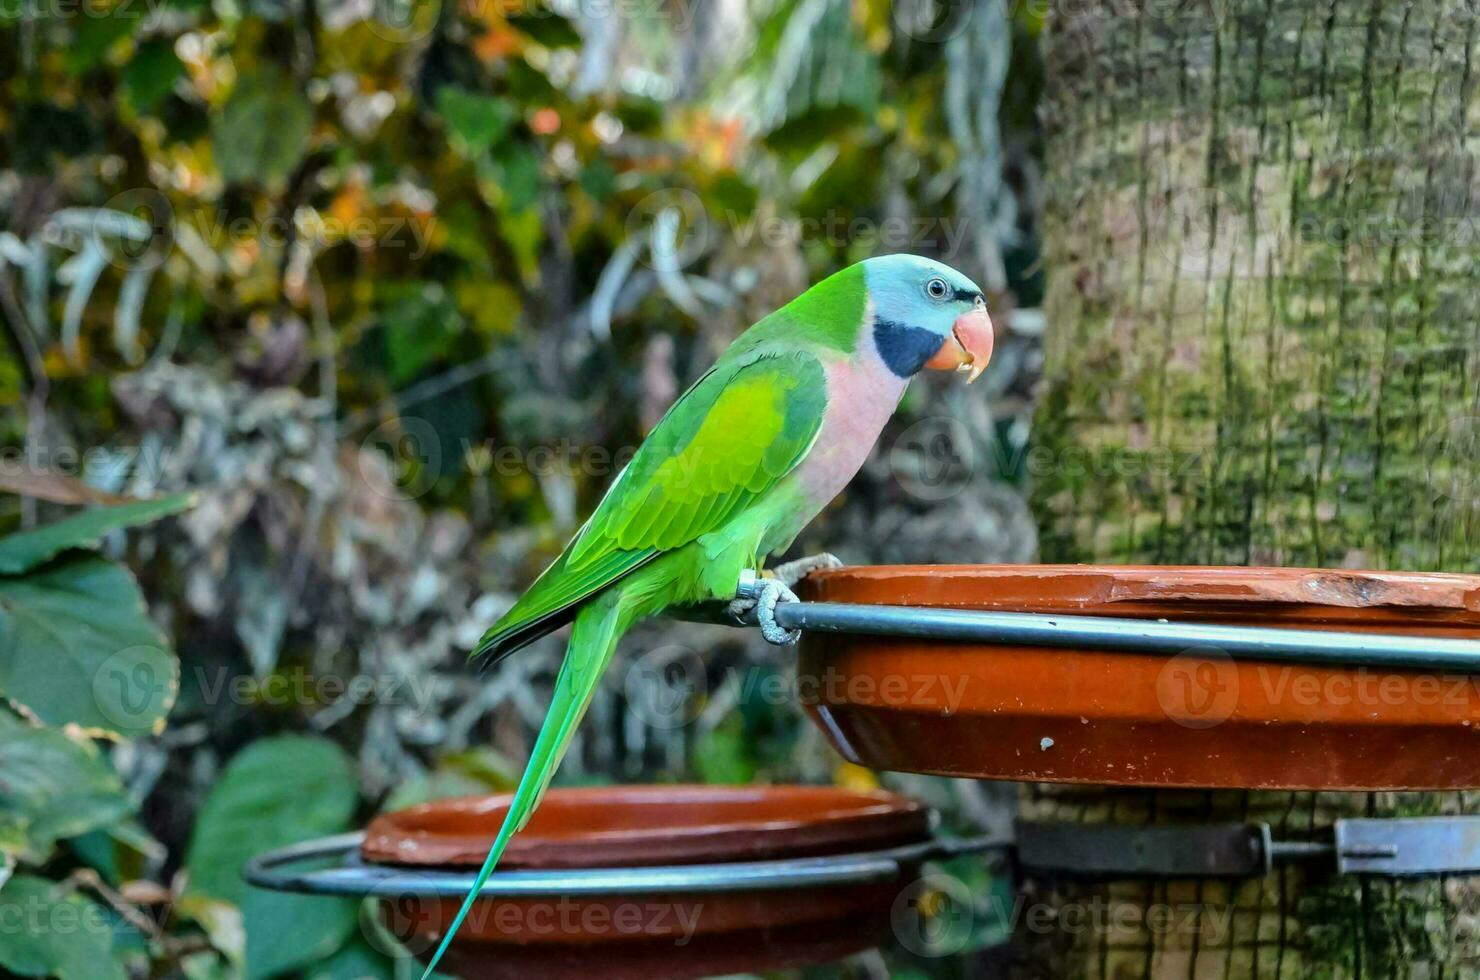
[[927, 314]]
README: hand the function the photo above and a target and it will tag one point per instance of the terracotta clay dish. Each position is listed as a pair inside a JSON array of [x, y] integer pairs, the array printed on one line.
[[1196, 720], [665, 934], [638, 826]]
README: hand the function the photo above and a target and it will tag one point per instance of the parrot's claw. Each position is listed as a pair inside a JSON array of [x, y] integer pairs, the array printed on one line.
[[794, 571], [774, 590], [766, 592]]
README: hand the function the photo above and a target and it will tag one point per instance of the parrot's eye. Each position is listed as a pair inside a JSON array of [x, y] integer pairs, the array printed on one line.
[[937, 288]]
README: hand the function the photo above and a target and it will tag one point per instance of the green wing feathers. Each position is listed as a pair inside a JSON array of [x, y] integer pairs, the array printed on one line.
[[728, 440], [711, 457], [551, 601]]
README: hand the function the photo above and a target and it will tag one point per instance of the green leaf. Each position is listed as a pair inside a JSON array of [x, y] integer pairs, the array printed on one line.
[[95, 34], [289, 932], [477, 121], [420, 328], [478, 770], [598, 179], [151, 74], [276, 792], [262, 131], [52, 787], [24, 551], [77, 647], [517, 173], [119, 852], [722, 756], [54, 932], [438, 785], [356, 961], [546, 27]]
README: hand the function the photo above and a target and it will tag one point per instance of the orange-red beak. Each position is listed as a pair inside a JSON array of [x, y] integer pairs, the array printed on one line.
[[969, 347]]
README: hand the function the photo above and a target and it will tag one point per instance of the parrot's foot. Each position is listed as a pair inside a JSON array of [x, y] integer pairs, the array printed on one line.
[[794, 571], [767, 592]]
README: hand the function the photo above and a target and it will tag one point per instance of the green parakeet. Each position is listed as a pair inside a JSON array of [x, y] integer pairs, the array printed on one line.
[[736, 468]]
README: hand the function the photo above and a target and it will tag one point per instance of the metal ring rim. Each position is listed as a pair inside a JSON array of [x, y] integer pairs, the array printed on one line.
[[358, 879]]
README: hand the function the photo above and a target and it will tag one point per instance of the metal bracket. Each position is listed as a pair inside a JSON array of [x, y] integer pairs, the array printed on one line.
[[1097, 850], [1408, 845], [1392, 847]]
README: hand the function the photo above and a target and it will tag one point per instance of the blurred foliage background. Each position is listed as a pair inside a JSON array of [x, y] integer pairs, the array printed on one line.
[[366, 300]]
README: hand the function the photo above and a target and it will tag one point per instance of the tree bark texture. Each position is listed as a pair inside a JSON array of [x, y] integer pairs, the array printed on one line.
[[1265, 349]]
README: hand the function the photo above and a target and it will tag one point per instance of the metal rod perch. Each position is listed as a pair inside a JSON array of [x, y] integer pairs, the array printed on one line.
[[1313, 647]]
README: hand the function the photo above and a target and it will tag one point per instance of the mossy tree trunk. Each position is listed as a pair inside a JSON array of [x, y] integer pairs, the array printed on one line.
[[1265, 314]]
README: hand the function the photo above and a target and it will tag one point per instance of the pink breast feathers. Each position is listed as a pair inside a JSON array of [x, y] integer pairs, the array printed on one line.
[[861, 396]]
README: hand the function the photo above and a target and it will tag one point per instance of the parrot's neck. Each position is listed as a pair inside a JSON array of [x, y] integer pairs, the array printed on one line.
[[862, 393]]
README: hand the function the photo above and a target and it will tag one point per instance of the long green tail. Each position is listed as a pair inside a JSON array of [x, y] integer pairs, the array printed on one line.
[[594, 636]]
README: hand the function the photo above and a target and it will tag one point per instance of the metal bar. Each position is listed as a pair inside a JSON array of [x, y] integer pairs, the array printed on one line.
[[1317, 647], [1300, 850], [351, 877], [1173, 851], [1408, 845], [1386, 846]]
